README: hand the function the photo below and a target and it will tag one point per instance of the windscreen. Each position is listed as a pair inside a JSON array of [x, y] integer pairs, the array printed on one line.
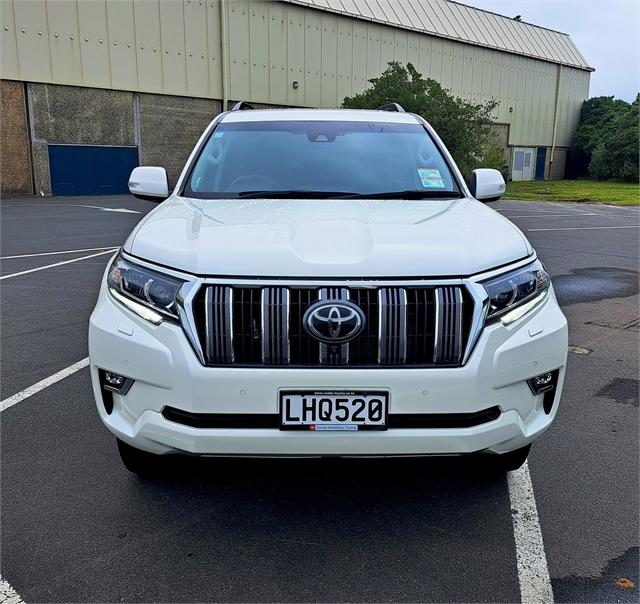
[[357, 158]]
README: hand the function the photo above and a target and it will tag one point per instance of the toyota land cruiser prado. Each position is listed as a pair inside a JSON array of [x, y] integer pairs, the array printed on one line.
[[325, 283]]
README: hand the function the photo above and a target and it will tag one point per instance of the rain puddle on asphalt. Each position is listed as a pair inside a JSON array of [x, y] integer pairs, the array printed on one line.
[[594, 284]]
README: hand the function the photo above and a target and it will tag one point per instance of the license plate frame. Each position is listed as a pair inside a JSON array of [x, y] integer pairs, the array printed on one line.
[[318, 424]]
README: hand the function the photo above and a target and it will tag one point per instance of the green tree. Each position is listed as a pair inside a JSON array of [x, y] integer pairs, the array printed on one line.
[[464, 127], [608, 138], [597, 113]]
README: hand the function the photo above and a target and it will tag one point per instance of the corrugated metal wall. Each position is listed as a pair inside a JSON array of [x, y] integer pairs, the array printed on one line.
[[456, 21], [174, 47]]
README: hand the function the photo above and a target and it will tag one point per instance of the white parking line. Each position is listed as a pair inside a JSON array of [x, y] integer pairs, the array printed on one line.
[[88, 249], [8, 595], [590, 228], [537, 215], [566, 207], [122, 210], [42, 384], [531, 560], [42, 268]]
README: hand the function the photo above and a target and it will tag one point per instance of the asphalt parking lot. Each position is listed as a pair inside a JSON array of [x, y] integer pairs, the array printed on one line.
[[77, 527]]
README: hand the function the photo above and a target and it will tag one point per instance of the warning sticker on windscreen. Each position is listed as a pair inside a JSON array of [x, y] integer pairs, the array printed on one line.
[[431, 178]]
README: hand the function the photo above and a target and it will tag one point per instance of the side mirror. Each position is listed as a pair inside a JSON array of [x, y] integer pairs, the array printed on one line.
[[150, 183], [487, 184]]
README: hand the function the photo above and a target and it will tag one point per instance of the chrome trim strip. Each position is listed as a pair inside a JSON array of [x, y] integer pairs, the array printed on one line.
[[402, 358], [381, 325], [457, 340], [229, 309], [264, 327], [208, 324], [184, 302], [275, 308], [286, 356], [344, 350], [437, 344], [480, 310]]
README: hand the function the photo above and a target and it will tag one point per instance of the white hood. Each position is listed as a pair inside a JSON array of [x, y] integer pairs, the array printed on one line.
[[327, 237]]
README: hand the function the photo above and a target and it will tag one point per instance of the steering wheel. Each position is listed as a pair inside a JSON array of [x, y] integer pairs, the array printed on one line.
[[251, 182]]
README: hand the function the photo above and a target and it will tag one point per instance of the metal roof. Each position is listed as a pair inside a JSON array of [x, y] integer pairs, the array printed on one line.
[[455, 21]]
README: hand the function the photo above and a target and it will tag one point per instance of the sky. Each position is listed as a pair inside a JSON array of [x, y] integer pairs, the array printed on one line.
[[607, 33]]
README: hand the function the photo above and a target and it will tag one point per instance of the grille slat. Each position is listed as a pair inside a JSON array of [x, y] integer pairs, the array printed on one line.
[[218, 324], [275, 326], [449, 325], [249, 325], [392, 337]]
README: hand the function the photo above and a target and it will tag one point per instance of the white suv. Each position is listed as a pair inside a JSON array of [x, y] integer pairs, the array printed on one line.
[[324, 283]]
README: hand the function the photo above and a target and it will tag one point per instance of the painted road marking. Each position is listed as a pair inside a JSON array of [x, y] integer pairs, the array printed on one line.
[[548, 206], [573, 214], [533, 572], [88, 249], [42, 268], [586, 228], [123, 210], [42, 384], [8, 595]]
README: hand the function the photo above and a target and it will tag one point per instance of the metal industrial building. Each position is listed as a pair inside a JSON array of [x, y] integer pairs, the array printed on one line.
[[91, 88]]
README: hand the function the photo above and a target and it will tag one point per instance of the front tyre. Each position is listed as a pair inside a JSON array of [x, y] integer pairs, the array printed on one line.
[[138, 461]]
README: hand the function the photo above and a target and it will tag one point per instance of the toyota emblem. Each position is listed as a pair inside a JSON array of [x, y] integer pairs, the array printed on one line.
[[334, 321]]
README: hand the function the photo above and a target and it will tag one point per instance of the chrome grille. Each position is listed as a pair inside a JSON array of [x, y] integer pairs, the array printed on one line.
[[449, 307], [392, 331], [410, 326], [218, 335], [275, 325]]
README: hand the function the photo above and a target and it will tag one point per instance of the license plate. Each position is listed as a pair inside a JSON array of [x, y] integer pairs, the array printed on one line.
[[333, 411]]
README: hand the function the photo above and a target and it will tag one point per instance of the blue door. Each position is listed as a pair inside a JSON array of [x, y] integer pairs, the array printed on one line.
[[91, 170], [541, 160]]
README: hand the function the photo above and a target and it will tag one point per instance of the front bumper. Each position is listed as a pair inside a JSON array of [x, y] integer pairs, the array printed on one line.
[[167, 373]]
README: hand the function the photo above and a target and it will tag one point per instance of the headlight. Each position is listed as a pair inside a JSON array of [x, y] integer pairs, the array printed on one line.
[[521, 289], [143, 290]]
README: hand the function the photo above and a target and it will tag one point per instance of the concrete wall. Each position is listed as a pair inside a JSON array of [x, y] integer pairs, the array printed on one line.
[[75, 115], [170, 126], [15, 162]]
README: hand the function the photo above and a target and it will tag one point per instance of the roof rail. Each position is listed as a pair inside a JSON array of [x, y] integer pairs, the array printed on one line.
[[392, 107], [242, 105]]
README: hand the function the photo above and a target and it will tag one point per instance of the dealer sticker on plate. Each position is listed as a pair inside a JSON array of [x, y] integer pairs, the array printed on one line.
[[321, 411]]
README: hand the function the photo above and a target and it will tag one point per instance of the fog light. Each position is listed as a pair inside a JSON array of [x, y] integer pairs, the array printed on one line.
[[543, 380], [545, 383], [114, 382]]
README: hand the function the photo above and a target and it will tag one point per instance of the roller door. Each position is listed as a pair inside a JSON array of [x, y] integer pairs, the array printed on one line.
[[91, 170]]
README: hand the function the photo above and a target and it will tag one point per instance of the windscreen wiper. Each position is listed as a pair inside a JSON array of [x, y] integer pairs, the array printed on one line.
[[409, 194], [293, 194]]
